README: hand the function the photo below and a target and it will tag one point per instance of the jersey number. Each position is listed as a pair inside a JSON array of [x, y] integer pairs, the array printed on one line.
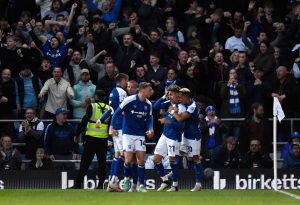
[[142, 142], [171, 148]]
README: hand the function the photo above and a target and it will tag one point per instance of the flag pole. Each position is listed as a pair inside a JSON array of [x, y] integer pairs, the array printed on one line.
[[275, 147]]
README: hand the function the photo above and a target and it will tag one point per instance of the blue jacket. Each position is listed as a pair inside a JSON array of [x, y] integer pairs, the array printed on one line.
[[56, 56], [27, 90], [112, 15], [291, 161], [59, 139], [81, 90]]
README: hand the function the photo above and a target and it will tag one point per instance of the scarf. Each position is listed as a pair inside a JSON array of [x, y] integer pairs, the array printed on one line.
[[234, 102], [211, 134]]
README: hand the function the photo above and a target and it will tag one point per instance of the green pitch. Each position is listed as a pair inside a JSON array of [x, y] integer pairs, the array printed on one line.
[[183, 197]]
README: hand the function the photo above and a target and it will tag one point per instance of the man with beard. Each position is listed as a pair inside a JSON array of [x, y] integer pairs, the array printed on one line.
[[256, 128]]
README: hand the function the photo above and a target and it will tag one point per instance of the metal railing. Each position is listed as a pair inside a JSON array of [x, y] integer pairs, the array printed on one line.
[[291, 120]]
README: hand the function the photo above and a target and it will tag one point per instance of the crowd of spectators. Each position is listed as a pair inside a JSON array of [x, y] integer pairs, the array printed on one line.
[[233, 55]]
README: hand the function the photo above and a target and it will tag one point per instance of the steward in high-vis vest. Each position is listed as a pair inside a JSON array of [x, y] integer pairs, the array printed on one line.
[[95, 139]]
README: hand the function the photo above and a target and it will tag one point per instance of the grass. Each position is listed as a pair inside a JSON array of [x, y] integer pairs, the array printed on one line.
[[183, 197], [297, 192]]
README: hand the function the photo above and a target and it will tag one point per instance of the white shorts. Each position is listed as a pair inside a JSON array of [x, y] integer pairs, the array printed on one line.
[[118, 142], [132, 143], [193, 146], [167, 147]]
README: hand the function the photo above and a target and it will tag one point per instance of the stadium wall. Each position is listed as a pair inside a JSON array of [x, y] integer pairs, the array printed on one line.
[[222, 179]]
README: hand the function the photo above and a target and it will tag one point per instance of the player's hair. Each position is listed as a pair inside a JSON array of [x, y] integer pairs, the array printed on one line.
[[121, 76], [144, 85], [173, 88], [186, 91]]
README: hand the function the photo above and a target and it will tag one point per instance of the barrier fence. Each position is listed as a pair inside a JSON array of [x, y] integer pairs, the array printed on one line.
[[292, 125], [238, 179]]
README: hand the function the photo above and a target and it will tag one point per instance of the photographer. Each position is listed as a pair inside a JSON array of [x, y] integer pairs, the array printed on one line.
[[31, 132]]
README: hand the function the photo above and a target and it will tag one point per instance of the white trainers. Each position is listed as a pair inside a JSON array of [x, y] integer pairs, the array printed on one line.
[[173, 189], [196, 188], [163, 186]]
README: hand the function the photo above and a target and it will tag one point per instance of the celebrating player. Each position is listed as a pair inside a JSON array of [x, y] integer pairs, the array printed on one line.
[[169, 142], [138, 118], [192, 135], [116, 97]]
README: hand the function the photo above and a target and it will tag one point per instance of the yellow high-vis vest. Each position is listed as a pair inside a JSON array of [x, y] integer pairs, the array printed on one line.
[[91, 130]]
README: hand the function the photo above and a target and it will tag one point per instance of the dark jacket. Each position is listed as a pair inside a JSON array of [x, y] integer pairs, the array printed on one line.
[[225, 96], [256, 131], [258, 93], [10, 59], [257, 160], [21, 89], [150, 17], [288, 88], [124, 56], [10, 162], [44, 75], [221, 158], [8, 91], [160, 75], [266, 61], [107, 84], [59, 139], [47, 164], [215, 75], [33, 139], [102, 41]]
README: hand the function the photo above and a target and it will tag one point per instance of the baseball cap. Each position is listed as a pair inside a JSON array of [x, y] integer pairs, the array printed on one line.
[[295, 135], [61, 110], [209, 108], [84, 70]]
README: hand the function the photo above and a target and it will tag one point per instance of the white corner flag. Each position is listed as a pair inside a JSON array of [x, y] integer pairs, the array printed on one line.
[[277, 110], [279, 114]]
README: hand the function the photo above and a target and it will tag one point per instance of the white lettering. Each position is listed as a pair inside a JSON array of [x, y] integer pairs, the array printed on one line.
[[1, 184], [265, 184], [240, 183], [293, 182], [89, 183], [150, 184], [218, 183]]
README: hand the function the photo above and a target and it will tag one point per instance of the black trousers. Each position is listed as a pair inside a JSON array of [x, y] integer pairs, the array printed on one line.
[[92, 146]]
